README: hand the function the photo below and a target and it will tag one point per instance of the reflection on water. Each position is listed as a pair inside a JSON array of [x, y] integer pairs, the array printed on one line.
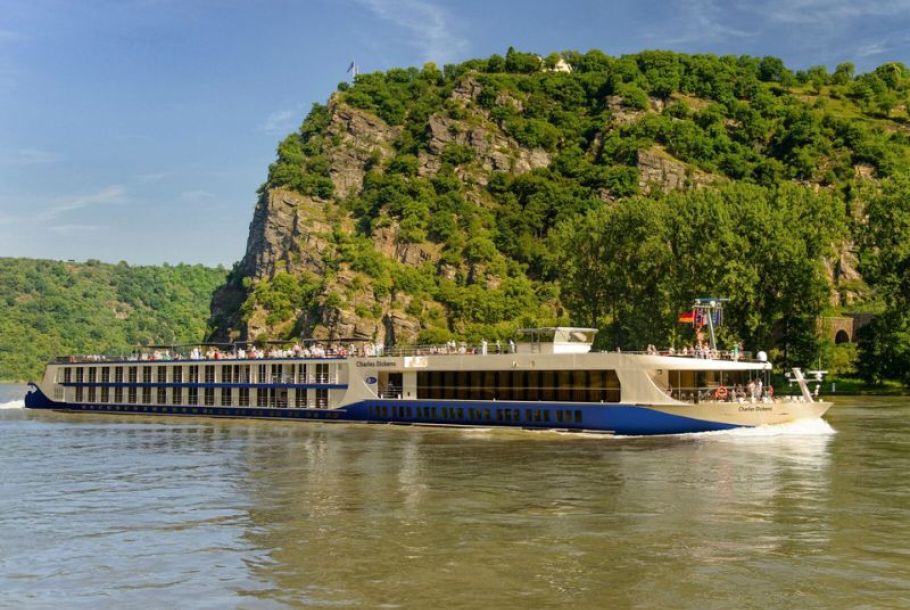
[[110, 510]]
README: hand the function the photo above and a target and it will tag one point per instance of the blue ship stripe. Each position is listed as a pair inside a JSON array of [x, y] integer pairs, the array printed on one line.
[[614, 418]]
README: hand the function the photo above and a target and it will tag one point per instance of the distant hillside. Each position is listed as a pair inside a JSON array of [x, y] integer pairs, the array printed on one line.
[[49, 308], [423, 204]]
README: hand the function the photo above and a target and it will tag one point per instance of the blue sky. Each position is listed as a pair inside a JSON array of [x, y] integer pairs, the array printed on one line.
[[139, 130]]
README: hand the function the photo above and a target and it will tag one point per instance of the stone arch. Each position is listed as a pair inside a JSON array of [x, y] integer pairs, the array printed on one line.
[[842, 336]]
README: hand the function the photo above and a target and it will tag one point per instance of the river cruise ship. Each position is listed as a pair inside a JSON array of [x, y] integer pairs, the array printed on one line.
[[548, 379]]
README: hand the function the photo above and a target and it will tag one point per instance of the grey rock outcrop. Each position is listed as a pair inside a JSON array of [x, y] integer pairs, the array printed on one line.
[[362, 137], [658, 169]]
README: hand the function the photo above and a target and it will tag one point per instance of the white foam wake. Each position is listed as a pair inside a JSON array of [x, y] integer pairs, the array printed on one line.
[[13, 404], [803, 427]]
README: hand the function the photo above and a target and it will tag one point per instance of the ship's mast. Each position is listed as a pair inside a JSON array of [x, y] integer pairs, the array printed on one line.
[[710, 312]]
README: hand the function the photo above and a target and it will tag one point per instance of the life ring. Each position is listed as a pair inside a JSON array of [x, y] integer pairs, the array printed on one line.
[[721, 393]]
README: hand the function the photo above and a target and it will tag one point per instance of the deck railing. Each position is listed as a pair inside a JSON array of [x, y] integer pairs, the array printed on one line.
[[458, 349]]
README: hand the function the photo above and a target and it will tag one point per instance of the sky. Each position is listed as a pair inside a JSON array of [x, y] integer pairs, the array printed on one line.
[[139, 130]]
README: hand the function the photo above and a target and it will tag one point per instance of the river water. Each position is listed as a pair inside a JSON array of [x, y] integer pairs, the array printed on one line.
[[118, 511]]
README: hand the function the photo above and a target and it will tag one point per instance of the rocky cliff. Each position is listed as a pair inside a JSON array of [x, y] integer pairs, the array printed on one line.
[[416, 204]]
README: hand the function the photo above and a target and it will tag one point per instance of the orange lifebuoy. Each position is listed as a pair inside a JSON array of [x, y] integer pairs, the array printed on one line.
[[721, 393]]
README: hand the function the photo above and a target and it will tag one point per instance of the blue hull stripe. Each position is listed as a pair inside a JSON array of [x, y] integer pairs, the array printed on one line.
[[617, 419]]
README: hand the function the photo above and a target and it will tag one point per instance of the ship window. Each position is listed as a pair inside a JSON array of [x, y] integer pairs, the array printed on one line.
[[580, 386], [147, 395], [131, 395], [226, 397], [162, 374], [192, 396], [243, 398], [533, 385], [118, 394], [322, 398], [146, 374], [300, 397], [209, 396], [209, 373], [67, 374], [226, 375], [561, 385], [176, 396], [193, 373], [502, 385], [106, 374], [105, 394], [162, 395], [301, 373], [79, 378]]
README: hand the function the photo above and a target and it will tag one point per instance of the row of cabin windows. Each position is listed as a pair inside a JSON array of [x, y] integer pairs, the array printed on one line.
[[516, 415], [264, 397], [229, 373], [215, 411], [555, 386]]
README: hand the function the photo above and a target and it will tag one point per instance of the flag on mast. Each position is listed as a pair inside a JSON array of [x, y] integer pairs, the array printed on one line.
[[352, 68]]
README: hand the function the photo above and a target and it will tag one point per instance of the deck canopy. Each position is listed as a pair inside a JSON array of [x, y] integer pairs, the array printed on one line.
[[555, 340]]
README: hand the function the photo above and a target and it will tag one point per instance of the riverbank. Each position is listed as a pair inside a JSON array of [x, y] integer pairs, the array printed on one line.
[[851, 386]]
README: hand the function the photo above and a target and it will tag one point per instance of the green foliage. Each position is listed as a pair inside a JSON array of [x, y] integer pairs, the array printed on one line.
[[50, 308], [761, 247], [300, 165], [282, 297], [885, 264]]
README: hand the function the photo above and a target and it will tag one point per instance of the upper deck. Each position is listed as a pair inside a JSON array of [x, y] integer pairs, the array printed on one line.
[[537, 342]]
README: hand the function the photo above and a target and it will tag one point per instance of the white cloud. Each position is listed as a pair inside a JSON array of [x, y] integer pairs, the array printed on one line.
[[823, 30], [113, 194], [26, 156], [75, 229], [817, 12], [153, 177], [281, 121], [427, 25], [871, 48], [195, 197]]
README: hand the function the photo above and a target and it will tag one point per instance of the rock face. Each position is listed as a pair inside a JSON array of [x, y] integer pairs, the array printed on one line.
[[285, 224], [658, 170], [360, 138], [494, 151], [304, 236]]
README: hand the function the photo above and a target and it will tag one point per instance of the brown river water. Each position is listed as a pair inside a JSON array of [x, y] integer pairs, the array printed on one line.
[[102, 511]]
